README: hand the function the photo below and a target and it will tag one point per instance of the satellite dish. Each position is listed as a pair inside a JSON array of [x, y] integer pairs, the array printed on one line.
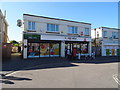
[[19, 22]]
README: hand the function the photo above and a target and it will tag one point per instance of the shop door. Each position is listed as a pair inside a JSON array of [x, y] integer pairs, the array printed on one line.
[[76, 49], [68, 49], [73, 49]]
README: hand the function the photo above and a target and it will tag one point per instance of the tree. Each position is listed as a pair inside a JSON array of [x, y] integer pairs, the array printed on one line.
[[15, 43]]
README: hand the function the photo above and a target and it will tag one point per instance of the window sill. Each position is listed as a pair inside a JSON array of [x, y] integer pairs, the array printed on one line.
[[72, 34], [105, 37], [87, 35], [31, 30], [115, 38], [53, 32]]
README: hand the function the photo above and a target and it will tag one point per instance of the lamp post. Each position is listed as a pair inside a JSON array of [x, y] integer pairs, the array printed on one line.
[[95, 42]]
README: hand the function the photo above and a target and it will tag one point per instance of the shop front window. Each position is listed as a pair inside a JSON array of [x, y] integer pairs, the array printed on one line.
[[84, 48], [54, 49], [44, 49], [77, 47], [33, 50]]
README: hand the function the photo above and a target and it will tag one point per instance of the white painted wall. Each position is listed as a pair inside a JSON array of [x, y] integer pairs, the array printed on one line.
[[62, 49], [41, 24], [25, 49]]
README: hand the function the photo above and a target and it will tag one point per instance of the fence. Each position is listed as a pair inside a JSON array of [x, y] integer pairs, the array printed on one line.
[[6, 51]]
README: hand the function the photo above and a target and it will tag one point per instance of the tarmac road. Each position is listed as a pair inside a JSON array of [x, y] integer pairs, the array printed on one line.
[[64, 75]]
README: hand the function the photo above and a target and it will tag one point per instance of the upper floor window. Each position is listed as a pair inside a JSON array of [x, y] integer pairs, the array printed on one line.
[[97, 34], [86, 31], [52, 27], [31, 25], [114, 35], [72, 30], [104, 33]]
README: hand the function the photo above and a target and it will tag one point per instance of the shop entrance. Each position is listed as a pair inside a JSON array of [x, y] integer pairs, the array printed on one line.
[[72, 49], [76, 48]]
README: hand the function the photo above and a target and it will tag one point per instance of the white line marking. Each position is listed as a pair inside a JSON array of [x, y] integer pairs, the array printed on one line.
[[116, 79]]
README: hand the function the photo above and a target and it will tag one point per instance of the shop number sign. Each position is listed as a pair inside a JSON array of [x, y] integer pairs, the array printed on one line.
[[28, 36]]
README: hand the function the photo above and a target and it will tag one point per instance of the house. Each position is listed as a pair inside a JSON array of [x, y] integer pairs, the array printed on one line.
[[3, 29], [5, 47], [54, 37], [107, 39]]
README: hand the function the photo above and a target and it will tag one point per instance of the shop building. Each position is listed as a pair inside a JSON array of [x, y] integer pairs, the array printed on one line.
[[53, 37], [107, 39]]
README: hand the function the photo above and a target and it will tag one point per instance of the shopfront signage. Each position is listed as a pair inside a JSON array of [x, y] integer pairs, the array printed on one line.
[[84, 39], [70, 38], [31, 36], [64, 38]]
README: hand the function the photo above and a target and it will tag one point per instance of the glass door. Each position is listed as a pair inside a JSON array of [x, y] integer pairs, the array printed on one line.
[[68, 49]]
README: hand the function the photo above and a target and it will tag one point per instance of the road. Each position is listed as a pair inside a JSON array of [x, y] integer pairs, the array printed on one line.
[[64, 75]]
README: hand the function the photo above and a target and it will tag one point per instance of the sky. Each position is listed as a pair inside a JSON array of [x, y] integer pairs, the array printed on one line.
[[97, 13]]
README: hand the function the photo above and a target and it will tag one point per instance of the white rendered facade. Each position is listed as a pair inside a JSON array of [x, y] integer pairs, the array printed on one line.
[[108, 39], [63, 33]]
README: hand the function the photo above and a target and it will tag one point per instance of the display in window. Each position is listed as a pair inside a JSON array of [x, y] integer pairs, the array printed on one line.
[[107, 52], [54, 49], [84, 49], [44, 49], [118, 52], [113, 52], [33, 50]]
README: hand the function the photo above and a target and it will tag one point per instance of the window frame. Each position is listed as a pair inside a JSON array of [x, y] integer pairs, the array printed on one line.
[[114, 35], [54, 26], [31, 25], [87, 34], [105, 34], [72, 30]]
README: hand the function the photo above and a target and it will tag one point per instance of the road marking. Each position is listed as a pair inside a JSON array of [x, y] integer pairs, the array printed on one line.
[[115, 77]]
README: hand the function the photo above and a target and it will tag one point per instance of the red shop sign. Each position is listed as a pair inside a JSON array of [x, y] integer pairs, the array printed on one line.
[[81, 33]]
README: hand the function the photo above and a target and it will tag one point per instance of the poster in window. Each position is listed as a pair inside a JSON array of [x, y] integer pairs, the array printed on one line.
[[54, 49], [84, 49], [44, 49], [33, 50]]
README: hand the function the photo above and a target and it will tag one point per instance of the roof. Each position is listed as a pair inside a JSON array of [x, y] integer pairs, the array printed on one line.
[[110, 28], [3, 17], [106, 28], [56, 19]]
